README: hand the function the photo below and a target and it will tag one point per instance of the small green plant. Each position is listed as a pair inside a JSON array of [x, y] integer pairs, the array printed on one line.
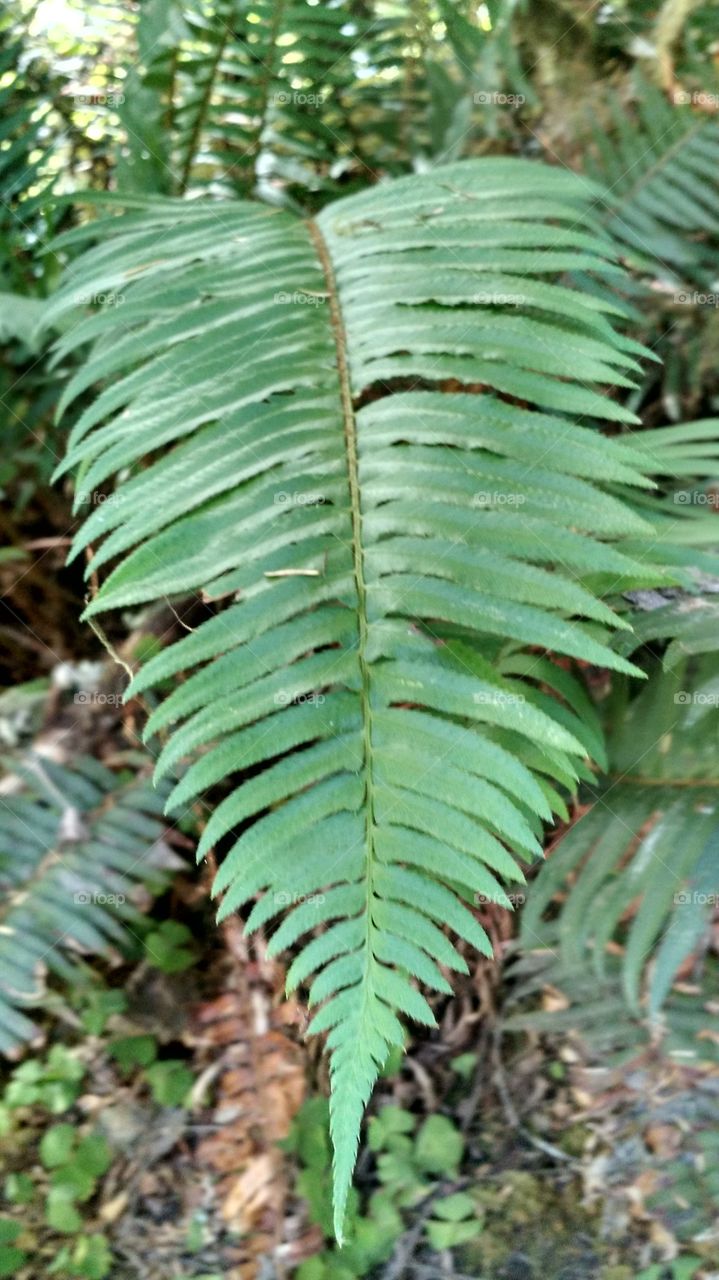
[[454, 1221], [413, 1158], [53, 1082], [71, 1161], [89, 1258], [74, 1164], [98, 1006], [11, 1256], [169, 1081], [171, 947], [133, 1051]]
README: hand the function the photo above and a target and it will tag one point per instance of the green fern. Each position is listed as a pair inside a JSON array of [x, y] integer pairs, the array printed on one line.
[[239, 96], [25, 183], [359, 437], [296, 101], [662, 176], [652, 837], [74, 843]]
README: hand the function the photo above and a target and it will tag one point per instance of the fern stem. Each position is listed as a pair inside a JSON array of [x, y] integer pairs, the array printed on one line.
[[203, 110], [350, 435]]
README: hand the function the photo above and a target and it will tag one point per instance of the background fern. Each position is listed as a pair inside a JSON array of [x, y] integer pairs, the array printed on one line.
[[74, 845], [296, 102], [660, 169]]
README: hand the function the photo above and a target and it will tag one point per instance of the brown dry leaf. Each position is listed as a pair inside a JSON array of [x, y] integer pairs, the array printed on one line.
[[257, 1189], [258, 1073]]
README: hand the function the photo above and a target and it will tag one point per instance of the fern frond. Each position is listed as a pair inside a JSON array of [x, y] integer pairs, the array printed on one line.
[[362, 438], [297, 101], [684, 535], [661, 171], [649, 845], [25, 181], [74, 843], [255, 93]]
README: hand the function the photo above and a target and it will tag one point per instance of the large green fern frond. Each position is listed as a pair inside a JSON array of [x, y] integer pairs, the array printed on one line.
[[359, 437]]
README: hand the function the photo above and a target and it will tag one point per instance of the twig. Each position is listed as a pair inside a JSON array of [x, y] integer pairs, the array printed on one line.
[[512, 1115], [405, 1246]]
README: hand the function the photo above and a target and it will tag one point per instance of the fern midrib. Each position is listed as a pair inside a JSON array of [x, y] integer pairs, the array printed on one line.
[[203, 111], [350, 435]]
